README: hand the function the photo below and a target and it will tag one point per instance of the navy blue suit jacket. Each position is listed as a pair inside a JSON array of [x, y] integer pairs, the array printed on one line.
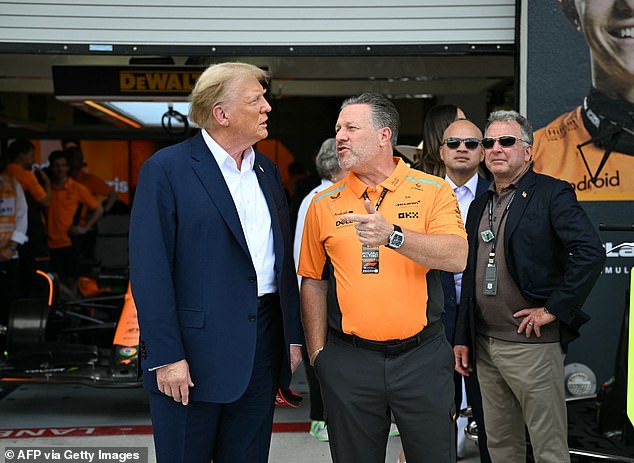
[[450, 315], [552, 251], [192, 276]]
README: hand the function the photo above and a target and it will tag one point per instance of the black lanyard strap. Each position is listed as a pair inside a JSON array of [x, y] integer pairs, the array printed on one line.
[[379, 201], [495, 234]]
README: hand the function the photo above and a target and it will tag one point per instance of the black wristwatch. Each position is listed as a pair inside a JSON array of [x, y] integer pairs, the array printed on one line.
[[396, 238]]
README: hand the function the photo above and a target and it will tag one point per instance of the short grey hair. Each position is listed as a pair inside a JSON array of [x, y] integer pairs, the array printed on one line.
[[327, 161], [382, 112], [215, 86], [512, 116]]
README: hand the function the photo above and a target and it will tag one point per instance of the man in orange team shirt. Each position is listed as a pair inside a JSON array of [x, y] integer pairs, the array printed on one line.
[[369, 241], [67, 195], [97, 186]]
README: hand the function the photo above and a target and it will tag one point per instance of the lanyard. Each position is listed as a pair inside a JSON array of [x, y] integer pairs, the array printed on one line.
[[495, 235], [379, 201]]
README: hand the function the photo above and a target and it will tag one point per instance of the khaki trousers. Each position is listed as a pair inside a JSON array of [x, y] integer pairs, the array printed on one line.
[[523, 384]]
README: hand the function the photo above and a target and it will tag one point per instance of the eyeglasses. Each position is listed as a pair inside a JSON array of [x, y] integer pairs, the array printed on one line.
[[454, 142], [504, 140]]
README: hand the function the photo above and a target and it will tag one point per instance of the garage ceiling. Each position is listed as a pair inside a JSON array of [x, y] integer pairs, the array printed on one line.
[[26, 80]]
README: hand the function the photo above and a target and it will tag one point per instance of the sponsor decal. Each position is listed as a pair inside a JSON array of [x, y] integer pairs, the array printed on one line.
[[607, 181], [44, 371], [342, 223], [30, 433], [616, 270], [625, 251], [408, 203], [559, 132], [127, 351], [408, 215], [157, 82]]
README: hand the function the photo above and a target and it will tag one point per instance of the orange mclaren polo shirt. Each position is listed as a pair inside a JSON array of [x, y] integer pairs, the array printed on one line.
[[62, 208], [555, 153], [96, 185], [392, 303], [27, 181]]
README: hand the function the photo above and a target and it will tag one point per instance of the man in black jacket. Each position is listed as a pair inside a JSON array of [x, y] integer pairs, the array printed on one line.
[[533, 259]]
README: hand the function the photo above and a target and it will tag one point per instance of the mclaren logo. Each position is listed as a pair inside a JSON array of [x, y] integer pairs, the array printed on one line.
[[408, 215], [408, 203]]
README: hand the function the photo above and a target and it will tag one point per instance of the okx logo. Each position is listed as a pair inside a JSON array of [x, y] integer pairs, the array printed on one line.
[[408, 215]]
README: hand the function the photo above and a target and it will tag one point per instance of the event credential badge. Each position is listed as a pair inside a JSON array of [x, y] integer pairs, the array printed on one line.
[[369, 259]]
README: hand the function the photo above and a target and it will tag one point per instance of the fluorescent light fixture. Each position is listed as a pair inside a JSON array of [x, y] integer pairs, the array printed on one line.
[[114, 114], [148, 113]]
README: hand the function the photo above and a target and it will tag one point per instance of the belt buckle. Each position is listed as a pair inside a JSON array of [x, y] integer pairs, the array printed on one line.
[[393, 347]]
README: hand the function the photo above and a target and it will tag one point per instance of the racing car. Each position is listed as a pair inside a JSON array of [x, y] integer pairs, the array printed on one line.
[[92, 340]]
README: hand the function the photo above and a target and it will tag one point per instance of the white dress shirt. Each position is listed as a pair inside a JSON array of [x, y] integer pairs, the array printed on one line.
[[301, 218], [252, 208], [465, 194]]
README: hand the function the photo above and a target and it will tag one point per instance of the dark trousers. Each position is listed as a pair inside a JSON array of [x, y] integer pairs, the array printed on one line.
[[8, 288], [314, 390], [237, 432], [361, 387], [65, 262]]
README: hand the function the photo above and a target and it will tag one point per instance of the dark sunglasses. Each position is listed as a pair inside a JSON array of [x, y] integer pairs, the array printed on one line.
[[469, 143], [504, 141]]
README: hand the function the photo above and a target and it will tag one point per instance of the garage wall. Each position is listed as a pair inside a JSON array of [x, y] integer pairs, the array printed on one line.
[[105, 23]]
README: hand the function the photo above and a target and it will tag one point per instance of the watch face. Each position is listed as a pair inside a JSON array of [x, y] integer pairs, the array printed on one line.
[[396, 239]]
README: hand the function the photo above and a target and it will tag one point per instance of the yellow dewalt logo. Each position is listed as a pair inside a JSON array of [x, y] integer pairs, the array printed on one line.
[[157, 82]]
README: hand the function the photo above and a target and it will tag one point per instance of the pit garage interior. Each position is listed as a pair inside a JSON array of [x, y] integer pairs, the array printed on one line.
[[420, 53]]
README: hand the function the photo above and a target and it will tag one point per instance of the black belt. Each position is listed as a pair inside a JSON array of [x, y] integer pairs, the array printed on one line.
[[394, 346]]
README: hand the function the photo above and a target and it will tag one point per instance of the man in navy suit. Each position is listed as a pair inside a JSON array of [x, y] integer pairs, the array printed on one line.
[[213, 278], [461, 153], [533, 258]]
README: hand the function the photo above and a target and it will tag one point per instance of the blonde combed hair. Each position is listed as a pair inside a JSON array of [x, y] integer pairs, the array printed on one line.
[[215, 85]]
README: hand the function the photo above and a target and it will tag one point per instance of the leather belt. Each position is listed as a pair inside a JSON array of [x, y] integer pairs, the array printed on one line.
[[392, 347]]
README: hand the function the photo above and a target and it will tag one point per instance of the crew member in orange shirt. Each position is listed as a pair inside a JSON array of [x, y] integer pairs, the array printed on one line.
[[37, 190], [106, 194], [79, 172], [67, 195], [21, 154]]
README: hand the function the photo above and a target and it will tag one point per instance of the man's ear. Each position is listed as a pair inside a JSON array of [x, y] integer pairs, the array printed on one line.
[[528, 154], [219, 115], [385, 135]]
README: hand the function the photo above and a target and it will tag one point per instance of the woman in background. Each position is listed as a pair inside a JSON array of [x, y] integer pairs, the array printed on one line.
[[437, 120]]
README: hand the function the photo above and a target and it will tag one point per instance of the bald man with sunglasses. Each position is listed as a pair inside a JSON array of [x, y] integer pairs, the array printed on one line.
[[461, 153], [533, 258]]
